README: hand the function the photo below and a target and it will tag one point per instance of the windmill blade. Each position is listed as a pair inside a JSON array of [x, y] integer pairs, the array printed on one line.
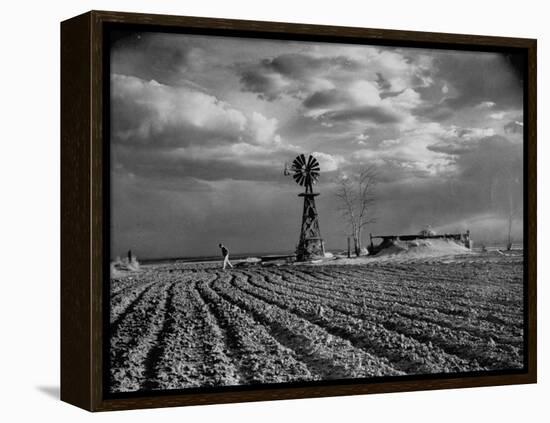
[[309, 160], [298, 177], [302, 159], [302, 179], [316, 168], [314, 161]]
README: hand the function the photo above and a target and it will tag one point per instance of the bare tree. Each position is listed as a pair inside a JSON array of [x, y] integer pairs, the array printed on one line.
[[355, 200], [508, 184], [512, 209]]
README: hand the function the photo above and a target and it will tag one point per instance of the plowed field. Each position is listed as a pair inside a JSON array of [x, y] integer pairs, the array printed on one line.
[[178, 325]]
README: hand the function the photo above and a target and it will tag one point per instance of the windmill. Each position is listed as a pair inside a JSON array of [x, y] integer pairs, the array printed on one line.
[[306, 173]]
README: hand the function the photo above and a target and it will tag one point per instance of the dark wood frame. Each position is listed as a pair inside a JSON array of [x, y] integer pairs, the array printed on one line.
[[83, 179]]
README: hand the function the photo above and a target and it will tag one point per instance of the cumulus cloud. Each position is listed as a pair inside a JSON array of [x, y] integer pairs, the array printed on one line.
[[457, 140], [263, 130], [514, 127], [326, 98], [181, 132], [267, 86], [147, 112], [290, 74], [329, 162], [200, 131], [360, 102], [327, 75], [486, 105], [497, 116], [484, 80], [157, 56], [363, 113]]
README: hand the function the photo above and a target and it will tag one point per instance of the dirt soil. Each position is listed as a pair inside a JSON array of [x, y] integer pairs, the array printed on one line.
[[194, 325]]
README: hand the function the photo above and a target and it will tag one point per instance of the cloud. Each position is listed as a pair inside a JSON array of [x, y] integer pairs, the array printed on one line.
[[450, 148], [147, 112], [382, 82], [361, 139], [423, 150], [486, 180], [201, 127], [157, 56], [403, 158], [433, 112], [485, 105], [360, 102], [312, 76], [364, 92], [478, 79], [497, 116], [491, 156], [178, 132], [406, 101], [263, 130], [514, 127], [297, 65], [267, 86], [389, 143], [364, 113], [289, 74], [326, 98], [329, 162], [465, 83], [457, 140]]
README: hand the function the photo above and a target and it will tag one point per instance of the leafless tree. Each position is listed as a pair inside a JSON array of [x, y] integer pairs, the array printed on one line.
[[509, 184], [512, 208], [355, 200]]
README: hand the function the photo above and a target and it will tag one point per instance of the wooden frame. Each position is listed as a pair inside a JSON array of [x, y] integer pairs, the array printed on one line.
[[83, 179]]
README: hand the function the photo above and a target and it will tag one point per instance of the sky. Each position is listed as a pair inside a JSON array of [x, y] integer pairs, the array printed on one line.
[[201, 127]]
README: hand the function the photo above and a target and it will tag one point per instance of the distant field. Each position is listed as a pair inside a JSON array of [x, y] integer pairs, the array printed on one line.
[[194, 325]]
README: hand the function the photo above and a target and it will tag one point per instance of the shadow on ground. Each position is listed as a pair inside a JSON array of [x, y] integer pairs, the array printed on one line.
[[50, 391]]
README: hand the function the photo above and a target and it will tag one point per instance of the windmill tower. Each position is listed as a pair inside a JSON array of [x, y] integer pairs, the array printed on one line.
[[306, 173]]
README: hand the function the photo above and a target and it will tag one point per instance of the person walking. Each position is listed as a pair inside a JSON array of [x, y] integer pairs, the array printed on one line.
[[225, 254]]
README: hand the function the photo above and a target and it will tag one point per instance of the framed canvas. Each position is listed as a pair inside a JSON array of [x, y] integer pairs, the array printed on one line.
[[258, 211]]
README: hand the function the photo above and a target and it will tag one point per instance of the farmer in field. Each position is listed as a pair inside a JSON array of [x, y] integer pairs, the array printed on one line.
[[225, 254]]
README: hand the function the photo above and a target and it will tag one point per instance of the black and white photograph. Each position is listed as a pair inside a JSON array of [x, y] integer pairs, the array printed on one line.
[[289, 213]]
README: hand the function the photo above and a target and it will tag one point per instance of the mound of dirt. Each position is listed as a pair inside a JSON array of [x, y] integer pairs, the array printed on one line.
[[422, 248], [120, 267]]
